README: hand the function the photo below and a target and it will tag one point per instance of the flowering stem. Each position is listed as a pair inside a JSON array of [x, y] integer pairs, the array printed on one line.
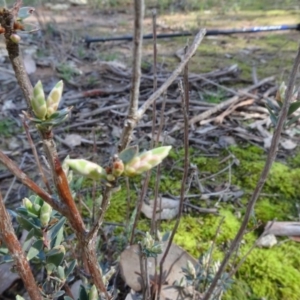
[[69, 210]]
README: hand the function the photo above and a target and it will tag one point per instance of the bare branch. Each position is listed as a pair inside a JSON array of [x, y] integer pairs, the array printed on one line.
[[9, 164], [270, 159], [105, 202], [191, 51], [185, 104], [136, 74]]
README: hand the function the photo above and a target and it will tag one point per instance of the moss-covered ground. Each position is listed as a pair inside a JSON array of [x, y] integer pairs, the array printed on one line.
[[267, 273]]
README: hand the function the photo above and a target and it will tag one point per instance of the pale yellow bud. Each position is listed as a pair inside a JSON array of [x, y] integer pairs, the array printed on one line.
[[146, 161], [45, 214], [86, 168], [54, 98], [38, 101]]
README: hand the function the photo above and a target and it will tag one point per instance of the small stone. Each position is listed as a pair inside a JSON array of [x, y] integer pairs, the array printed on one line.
[[267, 241]]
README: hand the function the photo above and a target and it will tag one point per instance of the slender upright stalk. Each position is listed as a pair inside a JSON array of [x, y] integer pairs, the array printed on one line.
[[270, 159], [185, 104], [136, 73]]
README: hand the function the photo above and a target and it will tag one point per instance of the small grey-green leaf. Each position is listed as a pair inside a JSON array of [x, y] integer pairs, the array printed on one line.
[[28, 225], [293, 107], [58, 294], [56, 259], [54, 230], [291, 121], [6, 259], [25, 12], [70, 268], [50, 268], [3, 251], [59, 237], [35, 249], [83, 295], [166, 236], [61, 273]]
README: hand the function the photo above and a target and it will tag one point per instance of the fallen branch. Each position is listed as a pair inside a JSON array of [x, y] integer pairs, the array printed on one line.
[[231, 101], [289, 229], [219, 119]]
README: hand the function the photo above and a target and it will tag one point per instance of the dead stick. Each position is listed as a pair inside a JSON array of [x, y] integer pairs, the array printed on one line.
[[283, 228], [191, 51], [228, 102]]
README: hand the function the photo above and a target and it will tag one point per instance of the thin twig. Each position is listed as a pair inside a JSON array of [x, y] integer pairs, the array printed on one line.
[[139, 206], [212, 249], [104, 205], [191, 51], [186, 82], [36, 157], [152, 231], [154, 68], [94, 181], [183, 183], [162, 118], [14, 179], [270, 159], [8, 235], [136, 74], [9, 164]]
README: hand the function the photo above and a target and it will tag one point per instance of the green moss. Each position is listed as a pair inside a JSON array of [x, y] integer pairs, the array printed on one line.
[[262, 275], [272, 273], [294, 161], [118, 207], [268, 210], [267, 273], [282, 180]]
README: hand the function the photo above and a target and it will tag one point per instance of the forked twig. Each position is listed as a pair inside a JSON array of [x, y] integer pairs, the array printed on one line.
[[128, 127], [191, 51]]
